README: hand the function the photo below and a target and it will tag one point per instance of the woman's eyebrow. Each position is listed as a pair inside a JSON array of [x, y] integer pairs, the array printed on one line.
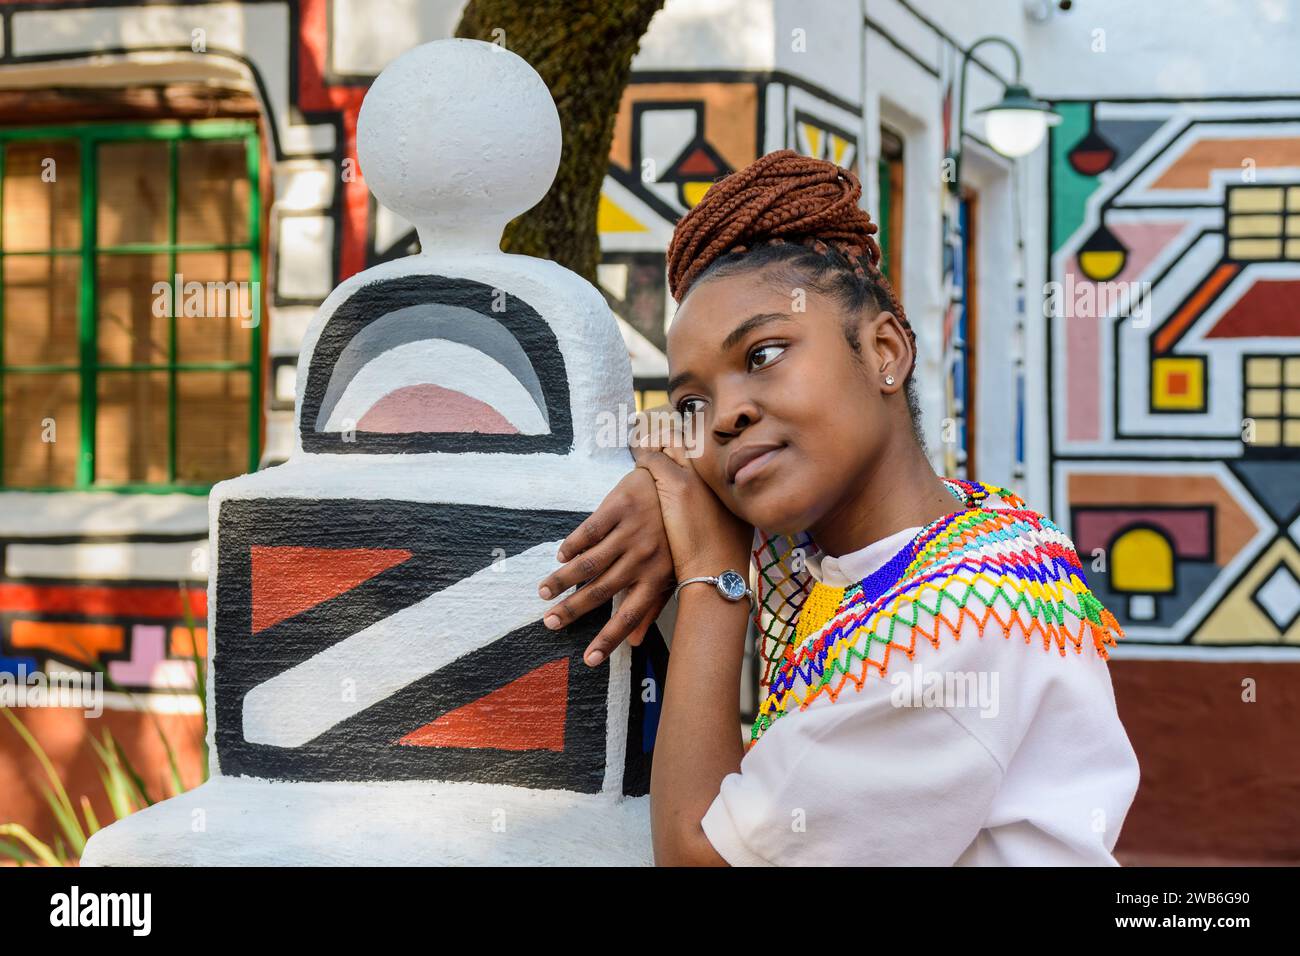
[[751, 323], [677, 380], [736, 334]]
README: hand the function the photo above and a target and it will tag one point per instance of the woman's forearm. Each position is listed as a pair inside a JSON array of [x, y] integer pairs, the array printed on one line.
[[698, 742]]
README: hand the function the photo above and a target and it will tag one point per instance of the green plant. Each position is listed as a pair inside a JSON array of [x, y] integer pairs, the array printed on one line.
[[122, 786]]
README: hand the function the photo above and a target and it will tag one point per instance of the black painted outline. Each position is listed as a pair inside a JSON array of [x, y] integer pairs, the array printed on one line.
[[1281, 451], [1205, 379], [1268, 615], [362, 747], [1121, 457], [1207, 510], [801, 115], [375, 300]]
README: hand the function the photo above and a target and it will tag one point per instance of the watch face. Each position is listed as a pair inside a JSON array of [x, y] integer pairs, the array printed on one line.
[[732, 585]]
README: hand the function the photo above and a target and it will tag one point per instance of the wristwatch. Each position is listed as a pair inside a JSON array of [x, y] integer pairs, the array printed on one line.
[[729, 584]]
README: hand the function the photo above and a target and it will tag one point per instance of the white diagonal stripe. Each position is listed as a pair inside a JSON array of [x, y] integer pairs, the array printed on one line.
[[358, 672]]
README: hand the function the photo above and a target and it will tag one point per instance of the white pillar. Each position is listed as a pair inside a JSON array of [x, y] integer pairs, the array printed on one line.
[[381, 687]]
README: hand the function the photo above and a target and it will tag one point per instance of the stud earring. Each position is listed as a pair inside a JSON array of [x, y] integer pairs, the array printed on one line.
[[889, 380]]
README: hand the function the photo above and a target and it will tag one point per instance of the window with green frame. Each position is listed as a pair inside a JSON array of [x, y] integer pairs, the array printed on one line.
[[130, 332]]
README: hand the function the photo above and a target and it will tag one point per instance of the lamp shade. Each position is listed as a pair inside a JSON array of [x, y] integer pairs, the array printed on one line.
[[1015, 125]]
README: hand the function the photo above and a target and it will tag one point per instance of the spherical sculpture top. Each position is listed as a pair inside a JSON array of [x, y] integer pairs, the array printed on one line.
[[459, 137]]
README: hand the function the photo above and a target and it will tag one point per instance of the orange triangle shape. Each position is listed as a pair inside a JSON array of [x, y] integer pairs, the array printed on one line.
[[526, 714], [698, 163], [289, 580]]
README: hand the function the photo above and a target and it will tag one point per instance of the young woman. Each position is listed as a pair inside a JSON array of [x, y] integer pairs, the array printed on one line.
[[939, 691]]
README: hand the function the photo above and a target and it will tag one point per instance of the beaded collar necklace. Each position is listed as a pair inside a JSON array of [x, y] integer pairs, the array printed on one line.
[[824, 601]]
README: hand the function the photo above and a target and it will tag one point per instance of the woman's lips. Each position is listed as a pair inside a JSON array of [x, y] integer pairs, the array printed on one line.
[[754, 467]]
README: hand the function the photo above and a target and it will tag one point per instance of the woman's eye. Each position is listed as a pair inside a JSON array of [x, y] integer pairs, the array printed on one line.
[[688, 406], [764, 354]]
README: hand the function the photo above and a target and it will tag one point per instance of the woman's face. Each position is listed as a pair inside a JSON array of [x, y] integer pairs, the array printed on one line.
[[787, 422]]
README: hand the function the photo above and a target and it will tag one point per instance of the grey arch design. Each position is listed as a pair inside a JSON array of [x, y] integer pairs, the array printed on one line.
[[430, 320], [476, 314]]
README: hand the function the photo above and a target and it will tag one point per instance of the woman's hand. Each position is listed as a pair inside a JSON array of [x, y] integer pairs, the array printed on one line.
[[704, 537], [621, 546]]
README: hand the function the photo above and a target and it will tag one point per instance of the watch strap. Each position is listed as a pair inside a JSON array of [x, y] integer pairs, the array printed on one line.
[[713, 579]]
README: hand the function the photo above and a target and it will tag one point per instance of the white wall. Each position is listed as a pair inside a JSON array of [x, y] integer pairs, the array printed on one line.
[[1162, 48], [709, 34]]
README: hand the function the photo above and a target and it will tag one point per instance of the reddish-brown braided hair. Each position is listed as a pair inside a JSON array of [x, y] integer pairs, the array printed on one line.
[[781, 197]]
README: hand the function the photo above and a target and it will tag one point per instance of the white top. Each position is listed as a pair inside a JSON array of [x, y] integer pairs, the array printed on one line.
[[978, 752]]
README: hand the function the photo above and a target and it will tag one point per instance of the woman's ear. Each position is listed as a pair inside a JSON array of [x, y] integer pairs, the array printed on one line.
[[891, 348]]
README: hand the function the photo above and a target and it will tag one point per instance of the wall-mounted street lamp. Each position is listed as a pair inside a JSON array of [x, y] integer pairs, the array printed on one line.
[[1015, 125]]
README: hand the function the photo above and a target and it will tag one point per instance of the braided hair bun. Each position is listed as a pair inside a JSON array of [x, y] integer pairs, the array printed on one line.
[[782, 197]]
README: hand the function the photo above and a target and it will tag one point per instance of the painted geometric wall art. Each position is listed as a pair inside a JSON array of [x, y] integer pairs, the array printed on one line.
[[675, 134], [131, 630], [1175, 353], [424, 363], [314, 589]]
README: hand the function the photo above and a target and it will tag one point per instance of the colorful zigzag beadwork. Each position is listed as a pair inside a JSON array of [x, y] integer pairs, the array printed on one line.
[[1006, 566]]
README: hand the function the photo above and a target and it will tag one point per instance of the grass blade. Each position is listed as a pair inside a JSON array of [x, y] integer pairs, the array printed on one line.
[[87, 811], [21, 835], [34, 745], [68, 823]]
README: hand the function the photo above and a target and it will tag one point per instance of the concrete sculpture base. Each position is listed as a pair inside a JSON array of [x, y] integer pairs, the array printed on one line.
[[251, 822]]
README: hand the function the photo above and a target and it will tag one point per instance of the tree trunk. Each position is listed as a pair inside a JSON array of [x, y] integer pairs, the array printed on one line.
[[583, 51]]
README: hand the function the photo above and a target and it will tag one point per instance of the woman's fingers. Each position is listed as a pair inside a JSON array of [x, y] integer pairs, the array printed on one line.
[[633, 617], [651, 425], [599, 588], [620, 548], [638, 635], [581, 567], [593, 530], [666, 471], [624, 570]]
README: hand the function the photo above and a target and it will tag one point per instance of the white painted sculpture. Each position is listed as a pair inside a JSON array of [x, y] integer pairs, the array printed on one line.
[[381, 687]]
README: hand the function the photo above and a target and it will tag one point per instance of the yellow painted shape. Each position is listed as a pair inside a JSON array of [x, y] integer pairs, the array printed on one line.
[[1100, 266], [840, 150], [1263, 370], [1162, 368], [1263, 401], [1254, 225], [1239, 620], [694, 192], [611, 217], [1268, 431], [1255, 248], [1142, 562], [1259, 199], [814, 137]]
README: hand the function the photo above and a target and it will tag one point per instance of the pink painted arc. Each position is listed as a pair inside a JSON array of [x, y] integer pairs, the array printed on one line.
[[432, 408]]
